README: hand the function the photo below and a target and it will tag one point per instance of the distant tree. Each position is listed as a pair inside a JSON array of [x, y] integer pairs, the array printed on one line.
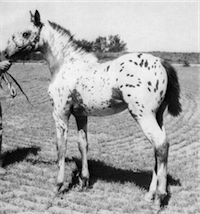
[[100, 44], [186, 63], [116, 44], [110, 44]]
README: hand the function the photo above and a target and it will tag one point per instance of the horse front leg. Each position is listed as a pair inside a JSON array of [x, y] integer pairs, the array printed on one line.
[[62, 131], [83, 147]]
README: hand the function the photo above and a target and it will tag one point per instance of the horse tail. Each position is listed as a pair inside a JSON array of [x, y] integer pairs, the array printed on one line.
[[172, 95]]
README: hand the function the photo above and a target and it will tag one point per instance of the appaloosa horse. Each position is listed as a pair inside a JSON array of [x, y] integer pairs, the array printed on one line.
[[82, 87]]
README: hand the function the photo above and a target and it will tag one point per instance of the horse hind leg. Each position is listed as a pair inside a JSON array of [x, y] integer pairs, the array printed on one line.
[[155, 133]]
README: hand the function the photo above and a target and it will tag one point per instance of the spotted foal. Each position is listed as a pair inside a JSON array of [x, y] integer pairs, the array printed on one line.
[[82, 87]]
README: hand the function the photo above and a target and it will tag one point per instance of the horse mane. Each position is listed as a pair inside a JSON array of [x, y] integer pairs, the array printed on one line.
[[61, 30], [79, 49]]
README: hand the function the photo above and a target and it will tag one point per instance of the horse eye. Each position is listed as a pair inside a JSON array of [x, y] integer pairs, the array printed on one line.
[[26, 35]]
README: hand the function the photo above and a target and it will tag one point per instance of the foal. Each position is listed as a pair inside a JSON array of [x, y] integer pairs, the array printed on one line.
[[82, 87]]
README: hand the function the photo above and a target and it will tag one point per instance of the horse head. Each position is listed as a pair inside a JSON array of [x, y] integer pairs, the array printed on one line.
[[26, 41]]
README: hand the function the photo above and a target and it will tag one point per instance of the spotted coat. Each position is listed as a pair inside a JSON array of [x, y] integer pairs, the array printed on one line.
[[82, 86], [98, 89]]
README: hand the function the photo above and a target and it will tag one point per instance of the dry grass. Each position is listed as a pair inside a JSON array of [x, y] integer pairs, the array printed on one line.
[[120, 158]]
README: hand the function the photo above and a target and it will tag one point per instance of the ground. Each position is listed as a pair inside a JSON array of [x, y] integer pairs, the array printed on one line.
[[120, 157]]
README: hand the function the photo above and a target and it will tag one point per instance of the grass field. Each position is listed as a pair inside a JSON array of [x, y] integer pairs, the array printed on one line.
[[120, 157]]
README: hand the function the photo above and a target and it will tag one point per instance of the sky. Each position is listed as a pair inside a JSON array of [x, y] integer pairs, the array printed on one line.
[[144, 25]]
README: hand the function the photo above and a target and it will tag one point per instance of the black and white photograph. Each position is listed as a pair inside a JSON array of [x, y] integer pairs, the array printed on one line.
[[99, 107]]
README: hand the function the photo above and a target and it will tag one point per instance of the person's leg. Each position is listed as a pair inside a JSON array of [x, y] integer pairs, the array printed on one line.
[[2, 171]]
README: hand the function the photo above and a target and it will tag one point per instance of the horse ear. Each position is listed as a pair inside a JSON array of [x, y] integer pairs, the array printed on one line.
[[36, 18], [32, 17], [37, 21]]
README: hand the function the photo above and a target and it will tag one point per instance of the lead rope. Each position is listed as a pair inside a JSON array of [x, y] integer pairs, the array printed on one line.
[[6, 77]]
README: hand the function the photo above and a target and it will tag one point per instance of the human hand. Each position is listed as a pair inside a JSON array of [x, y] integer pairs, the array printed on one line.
[[5, 65]]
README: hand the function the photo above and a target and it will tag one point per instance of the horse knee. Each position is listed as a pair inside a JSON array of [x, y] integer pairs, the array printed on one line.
[[82, 135], [82, 140], [161, 152]]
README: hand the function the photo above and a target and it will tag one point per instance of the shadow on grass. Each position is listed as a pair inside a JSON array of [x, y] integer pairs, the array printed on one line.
[[18, 155], [100, 171]]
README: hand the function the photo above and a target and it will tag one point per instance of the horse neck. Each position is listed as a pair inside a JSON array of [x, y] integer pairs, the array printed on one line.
[[50, 49], [58, 49]]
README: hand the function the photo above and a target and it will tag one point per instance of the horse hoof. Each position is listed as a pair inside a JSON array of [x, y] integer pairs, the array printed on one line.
[[149, 197], [159, 200], [61, 188], [83, 183]]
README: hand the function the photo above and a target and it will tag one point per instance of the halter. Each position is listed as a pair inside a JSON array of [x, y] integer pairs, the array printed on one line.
[[36, 40]]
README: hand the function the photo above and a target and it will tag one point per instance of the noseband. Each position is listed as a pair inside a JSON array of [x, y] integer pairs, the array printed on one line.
[[32, 44]]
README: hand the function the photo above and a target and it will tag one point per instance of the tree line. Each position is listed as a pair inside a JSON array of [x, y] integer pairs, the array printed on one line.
[[112, 43]]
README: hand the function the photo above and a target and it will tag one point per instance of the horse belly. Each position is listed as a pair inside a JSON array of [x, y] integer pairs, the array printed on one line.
[[108, 110], [105, 102]]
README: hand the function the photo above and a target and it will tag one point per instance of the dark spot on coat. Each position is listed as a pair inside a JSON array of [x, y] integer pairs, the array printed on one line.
[[121, 86], [161, 93], [149, 83], [117, 100], [108, 68], [130, 60], [128, 95], [149, 89], [78, 108], [122, 63], [121, 69], [157, 83], [135, 63], [139, 55], [146, 64], [141, 63]]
